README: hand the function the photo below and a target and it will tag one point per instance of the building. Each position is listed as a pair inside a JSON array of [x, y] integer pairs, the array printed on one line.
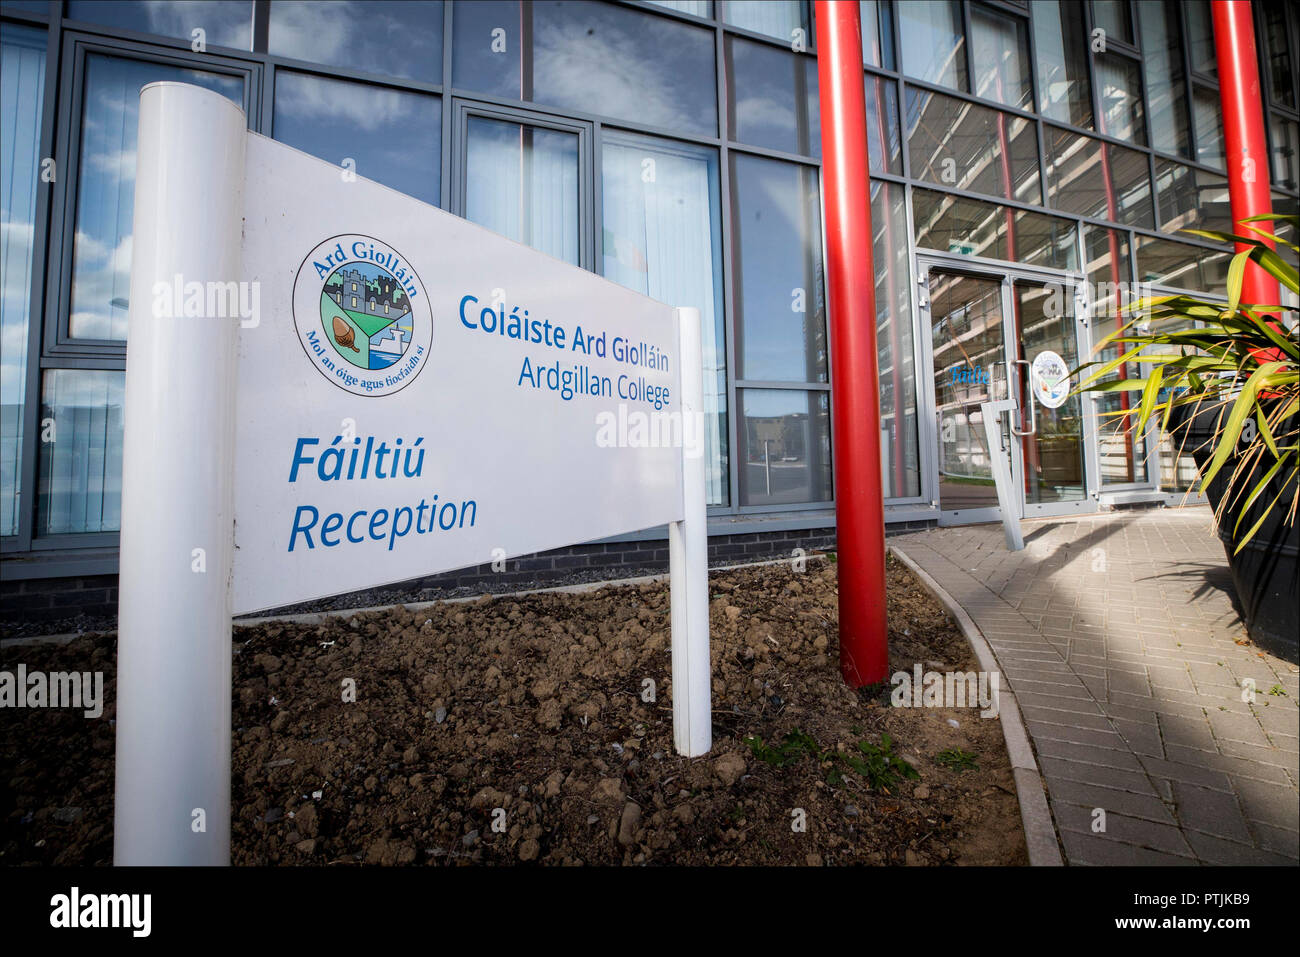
[[1032, 164]]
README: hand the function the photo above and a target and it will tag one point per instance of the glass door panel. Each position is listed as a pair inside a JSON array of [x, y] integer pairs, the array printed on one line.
[[969, 351], [1046, 342]]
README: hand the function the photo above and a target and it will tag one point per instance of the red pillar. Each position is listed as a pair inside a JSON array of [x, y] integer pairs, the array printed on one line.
[[855, 387], [1243, 134]]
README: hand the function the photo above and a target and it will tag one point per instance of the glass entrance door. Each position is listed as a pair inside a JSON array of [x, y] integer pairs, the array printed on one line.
[[996, 337], [968, 343]]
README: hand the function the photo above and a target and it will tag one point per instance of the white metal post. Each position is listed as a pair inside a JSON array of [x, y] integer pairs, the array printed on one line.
[[174, 655], [688, 560], [991, 412]]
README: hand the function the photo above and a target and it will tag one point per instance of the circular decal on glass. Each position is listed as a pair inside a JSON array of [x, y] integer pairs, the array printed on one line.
[[362, 315], [1050, 377]]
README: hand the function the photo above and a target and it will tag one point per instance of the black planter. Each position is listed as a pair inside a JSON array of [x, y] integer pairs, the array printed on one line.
[[1265, 572]]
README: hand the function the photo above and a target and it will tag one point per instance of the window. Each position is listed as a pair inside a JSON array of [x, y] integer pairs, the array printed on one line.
[[1191, 198], [1061, 45], [1279, 74], [785, 447], [933, 44], [974, 228], [624, 63], [884, 139], [777, 264], [105, 201], [1120, 92], [1164, 262], [785, 20], [489, 40], [522, 181], [224, 24], [1162, 56], [951, 142], [388, 37], [81, 467], [391, 136], [696, 8], [877, 33], [22, 103], [896, 348], [1095, 179], [1285, 137], [663, 238], [1208, 110], [1200, 37], [772, 97], [1113, 17], [1000, 54]]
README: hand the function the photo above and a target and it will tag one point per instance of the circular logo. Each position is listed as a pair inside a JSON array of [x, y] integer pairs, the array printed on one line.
[[362, 315], [1051, 379]]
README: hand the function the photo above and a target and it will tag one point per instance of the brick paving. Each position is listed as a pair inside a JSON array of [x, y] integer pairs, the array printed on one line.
[[1117, 636]]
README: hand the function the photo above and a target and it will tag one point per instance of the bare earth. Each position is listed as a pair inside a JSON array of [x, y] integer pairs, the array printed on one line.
[[514, 730]]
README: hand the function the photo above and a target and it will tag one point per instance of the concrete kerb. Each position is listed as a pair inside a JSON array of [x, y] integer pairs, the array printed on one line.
[[1040, 831]]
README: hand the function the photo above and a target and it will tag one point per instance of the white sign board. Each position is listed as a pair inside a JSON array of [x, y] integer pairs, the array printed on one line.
[[332, 386], [420, 394]]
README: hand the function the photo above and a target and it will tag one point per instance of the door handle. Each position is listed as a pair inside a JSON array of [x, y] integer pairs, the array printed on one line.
[[1033, 419]]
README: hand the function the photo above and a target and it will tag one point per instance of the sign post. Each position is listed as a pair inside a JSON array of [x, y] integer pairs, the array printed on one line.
[[688, 552], [172, 800], [331, 387]]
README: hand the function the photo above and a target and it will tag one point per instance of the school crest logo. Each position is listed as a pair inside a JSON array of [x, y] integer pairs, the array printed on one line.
[[362, 315]]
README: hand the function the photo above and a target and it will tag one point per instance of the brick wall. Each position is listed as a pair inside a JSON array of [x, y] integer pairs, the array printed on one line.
[[36, 600]]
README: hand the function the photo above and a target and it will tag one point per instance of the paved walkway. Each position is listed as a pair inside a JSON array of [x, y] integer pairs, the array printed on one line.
[[1116, 635]]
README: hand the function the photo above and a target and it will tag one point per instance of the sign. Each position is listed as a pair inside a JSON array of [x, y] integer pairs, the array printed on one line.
[[421, 394], [332, 386], [1050, 379]]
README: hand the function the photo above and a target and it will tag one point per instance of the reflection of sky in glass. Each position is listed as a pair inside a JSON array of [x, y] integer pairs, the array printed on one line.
[[22, 85], [777, 228], [773, 98], [81, 470], [394, 137], [225, 23], [625, 63], [482, 59], [101, 259], [377, 36], [775, 18]]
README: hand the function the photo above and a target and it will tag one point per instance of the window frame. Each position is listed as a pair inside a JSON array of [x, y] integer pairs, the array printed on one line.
[[466, 109], [77, 48]]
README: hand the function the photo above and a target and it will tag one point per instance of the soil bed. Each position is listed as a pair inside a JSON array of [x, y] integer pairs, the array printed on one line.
[[514, 729]]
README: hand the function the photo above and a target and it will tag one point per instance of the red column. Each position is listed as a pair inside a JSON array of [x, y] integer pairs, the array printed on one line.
[[1243, 133], [855, 388]]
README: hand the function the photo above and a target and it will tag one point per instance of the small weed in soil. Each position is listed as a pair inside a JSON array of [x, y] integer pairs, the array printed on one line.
[[956, 759]]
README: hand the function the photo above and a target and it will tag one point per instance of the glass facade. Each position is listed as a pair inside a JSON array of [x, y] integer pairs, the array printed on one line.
[[673, 146]]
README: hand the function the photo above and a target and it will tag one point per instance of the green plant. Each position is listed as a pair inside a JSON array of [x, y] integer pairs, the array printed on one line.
[[879, 765], [1241, 358], [795, 746], [1277, 691], [956, 759]]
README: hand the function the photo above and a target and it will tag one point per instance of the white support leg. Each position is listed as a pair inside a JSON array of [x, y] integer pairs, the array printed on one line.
[[172, 803], [688, 561], [992, 415]]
